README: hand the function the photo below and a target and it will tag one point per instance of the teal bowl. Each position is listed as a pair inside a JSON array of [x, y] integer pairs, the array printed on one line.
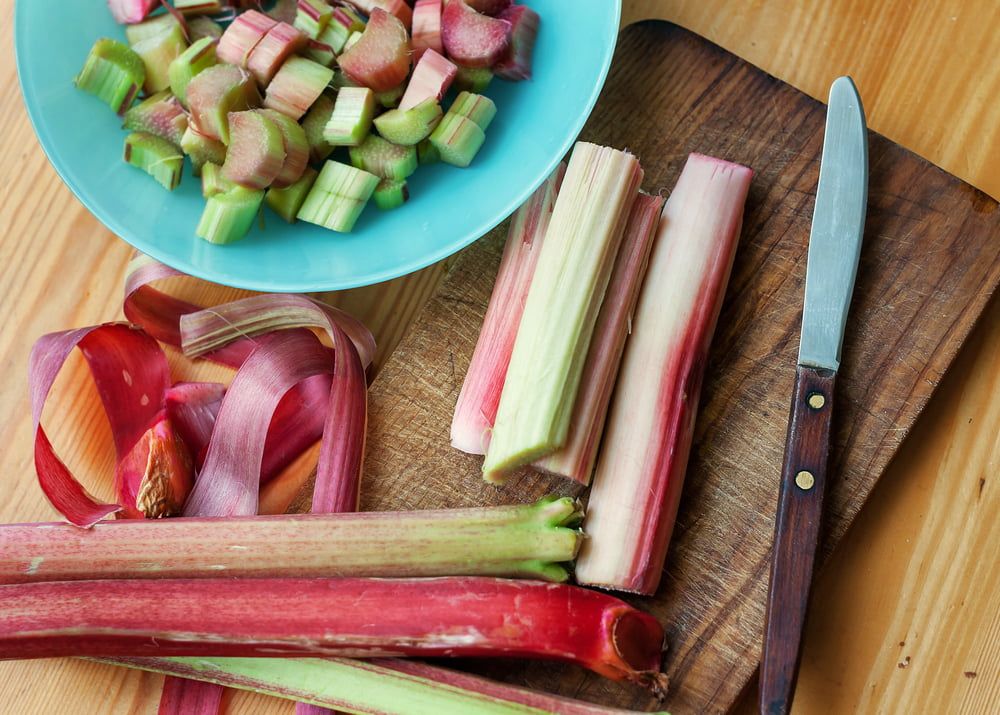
[[449, 208]]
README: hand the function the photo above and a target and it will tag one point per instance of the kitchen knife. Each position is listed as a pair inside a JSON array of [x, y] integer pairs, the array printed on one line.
[[834, 247]]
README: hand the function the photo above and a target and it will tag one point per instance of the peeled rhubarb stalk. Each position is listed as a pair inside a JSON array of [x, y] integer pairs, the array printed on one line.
[[380, 59], [471, 38], [157, 53], [378, 686], [426, 34], [113, 73], [351, 119], [454, 617], [640, 471], [295, 87], [287, 201], [202, 150], [280, 42], [476, 409], [383, 158], [216, 92], [432, 76], [563, 302], [314, 124], [296, 148], [524, 541], [196, 58], [575, 460], [410, 126], [155, 477], [242, 36], [516, 63], [161, 114], [159, 158], [256, 150], [127, 12]]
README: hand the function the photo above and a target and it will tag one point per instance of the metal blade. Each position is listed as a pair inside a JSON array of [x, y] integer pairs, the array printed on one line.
[[837, 227]]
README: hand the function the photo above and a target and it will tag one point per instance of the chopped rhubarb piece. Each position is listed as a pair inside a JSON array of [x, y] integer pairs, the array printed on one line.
[[199, 7], [569, 284], [160, 114], [200, 27], [390, 194], [576, 459], [213, 182], [516, 64], [128, 12], [296, 86], [152, 27], [113, 73], [216, 92], [397, 8], [637, 483], [353, 39], [229, 217], [157, 53], [157, 157], [256, 150], [351, 119], [338, 197], [381, 58], [284, 11], [473, 79], [473, 39], [390, 98], [457, 139], [287, 201], [296, 148], [427, 153], [278, 45], [426, 28], [156, 476], [314, 124], [476, 409], [202, 150], [242, 36], [195, 59], [312, 16], [489, 7], [431, 78], [383, 158], [320, 53], [470, 616], [476, 107], [344, 22], [410, 126]]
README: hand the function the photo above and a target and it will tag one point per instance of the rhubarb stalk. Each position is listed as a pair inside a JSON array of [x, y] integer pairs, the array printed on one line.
[[476, 409], [637, 483], [373, 687], [576, 459], [352, 617], [574, 267]]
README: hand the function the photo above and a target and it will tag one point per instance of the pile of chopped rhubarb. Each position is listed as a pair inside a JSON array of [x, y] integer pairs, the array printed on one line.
[[312, 108]]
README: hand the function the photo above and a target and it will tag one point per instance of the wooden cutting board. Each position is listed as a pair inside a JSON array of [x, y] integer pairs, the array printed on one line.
[[930, 262]]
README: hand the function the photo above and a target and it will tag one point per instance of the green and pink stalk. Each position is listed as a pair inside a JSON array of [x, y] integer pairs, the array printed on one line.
[[471, 38], [338, 196], [256, 151], [426, 31], [157, 53], [295, 86], [637, 483], [159, 158], [380, 59], [280, 43], [216, 92], [194, 60], [516, 63], [432, 76], [397, 8], [295, 147], [242, 36], [161, 114], [113, 73]]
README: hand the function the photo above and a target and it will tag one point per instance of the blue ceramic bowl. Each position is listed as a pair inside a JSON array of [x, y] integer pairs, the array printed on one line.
[[449, 208]]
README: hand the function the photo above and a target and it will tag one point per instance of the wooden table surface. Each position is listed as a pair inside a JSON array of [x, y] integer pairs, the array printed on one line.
[[906, 617]]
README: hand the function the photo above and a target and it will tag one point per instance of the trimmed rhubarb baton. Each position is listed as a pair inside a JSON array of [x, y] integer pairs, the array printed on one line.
[[639, 474], [353, 617], [373, 687]]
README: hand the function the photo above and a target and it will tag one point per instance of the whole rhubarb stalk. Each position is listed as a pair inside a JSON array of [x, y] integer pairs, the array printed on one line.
[[353, 617], [575, 460], [372, 687], [637, 483], [477, 404], [529, 540]]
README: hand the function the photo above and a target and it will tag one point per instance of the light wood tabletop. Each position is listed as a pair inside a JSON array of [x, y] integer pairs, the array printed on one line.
[[906, 616]]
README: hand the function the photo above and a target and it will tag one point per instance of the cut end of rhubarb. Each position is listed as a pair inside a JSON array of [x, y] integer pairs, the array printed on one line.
[[295, 87], [638, 641], [113, 73], [380, 59], [516, 62], [471, 38], [256, 150]]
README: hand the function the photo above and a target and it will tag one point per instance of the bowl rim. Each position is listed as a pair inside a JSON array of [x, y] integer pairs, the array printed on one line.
[[219, 276]]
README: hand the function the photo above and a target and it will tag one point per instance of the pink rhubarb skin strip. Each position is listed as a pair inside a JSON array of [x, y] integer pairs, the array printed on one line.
[[576, 459], [476, 408], [637, 483], [354, 617]]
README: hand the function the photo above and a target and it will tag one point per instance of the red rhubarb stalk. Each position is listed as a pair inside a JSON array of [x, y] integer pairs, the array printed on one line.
[[637, 483], [576, 459], [354, 617], [476, 409]]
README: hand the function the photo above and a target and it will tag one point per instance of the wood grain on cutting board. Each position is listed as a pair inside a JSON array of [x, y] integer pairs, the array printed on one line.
[[928, 266], [60, 268]]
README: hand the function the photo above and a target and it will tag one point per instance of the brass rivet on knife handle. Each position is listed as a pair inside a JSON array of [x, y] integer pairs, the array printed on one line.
[[816, 400], [805, 480]]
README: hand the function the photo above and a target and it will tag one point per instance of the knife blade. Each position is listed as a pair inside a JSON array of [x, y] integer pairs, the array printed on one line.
[[834, 249]]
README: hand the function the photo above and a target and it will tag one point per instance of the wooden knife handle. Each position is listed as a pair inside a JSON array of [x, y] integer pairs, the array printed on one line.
[[796, 535]]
